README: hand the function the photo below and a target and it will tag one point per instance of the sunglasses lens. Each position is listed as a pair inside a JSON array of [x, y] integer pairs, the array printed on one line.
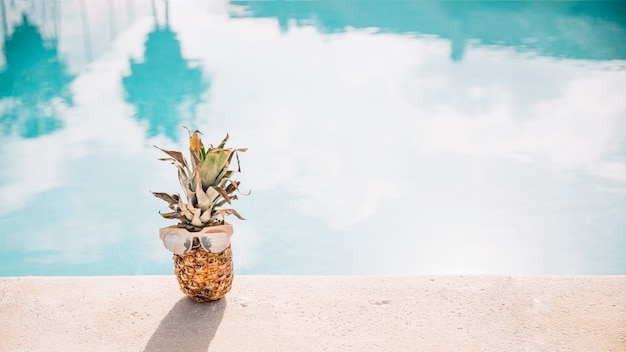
[[205, 241], [176, 244]]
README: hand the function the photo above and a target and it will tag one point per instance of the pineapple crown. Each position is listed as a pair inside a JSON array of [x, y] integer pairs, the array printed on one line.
[[207, 184]]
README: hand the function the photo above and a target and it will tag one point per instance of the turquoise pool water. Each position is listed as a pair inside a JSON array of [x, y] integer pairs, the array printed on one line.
[[393, 137]]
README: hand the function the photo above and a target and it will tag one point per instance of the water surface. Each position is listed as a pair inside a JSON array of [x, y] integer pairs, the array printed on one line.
[[384, 137]]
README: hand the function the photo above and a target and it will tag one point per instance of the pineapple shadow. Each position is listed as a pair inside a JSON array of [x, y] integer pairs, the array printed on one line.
[[189, 326]]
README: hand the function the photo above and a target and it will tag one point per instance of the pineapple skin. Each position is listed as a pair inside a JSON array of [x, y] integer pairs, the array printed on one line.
[[204, 276]]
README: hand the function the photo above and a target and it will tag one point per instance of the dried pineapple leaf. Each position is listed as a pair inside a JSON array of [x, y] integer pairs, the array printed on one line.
[[176, 155], [212, 193], [168, 159], [185, 211], [222, 193], [196, 148], [228, 211], [222, 202], [189, 182], [170, 198], [204, 202], [237, 156], [195, 143], [232, 186], [182, 179], [206, 216], [172, 215], [196, 217], [196, 161]]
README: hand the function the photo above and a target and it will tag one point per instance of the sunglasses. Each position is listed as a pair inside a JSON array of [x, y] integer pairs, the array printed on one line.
[[214, 239]]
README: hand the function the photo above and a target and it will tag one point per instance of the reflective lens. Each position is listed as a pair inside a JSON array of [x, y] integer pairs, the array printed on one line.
[[205, 241], [177, 243]]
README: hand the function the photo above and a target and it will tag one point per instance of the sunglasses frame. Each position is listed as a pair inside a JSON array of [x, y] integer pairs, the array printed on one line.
[[216, 238]]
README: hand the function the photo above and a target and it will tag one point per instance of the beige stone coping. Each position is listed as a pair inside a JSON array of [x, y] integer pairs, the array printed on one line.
[[312, 313]]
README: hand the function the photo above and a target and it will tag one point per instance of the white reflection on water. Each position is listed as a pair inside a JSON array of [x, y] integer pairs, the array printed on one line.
[[369, 154]]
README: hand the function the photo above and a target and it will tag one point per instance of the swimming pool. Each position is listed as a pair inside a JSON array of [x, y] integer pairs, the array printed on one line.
[[384, 137]]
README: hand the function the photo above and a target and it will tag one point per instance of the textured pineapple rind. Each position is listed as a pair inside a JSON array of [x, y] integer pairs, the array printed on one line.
[[204, 276]]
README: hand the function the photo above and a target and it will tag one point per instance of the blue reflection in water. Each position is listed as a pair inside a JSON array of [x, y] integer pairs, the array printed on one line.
[[164, 88], [564, 29], [404, 137], [33, 77]]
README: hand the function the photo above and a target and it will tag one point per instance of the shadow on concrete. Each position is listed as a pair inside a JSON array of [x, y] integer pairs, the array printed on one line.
[[189, 326]]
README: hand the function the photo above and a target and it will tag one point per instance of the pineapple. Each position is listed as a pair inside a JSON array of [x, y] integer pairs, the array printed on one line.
[[200, 241]]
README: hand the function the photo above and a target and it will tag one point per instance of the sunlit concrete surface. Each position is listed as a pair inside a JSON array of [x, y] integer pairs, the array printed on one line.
[[309, 313]]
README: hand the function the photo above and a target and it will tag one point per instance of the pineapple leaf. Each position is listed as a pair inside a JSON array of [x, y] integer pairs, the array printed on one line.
[[195, 149], [224, 175], [204, 202], [228, 211], [206, 182], [196, 161], [232, 187], [206, 216], [212, 193], [185, 211], [185, 184], [222, 193], [195, 143], [177, 156], [171, 215], [188, 183], [212, 166], [223, 141], [237, 155], [222, 202], [170, 198], [196, 218]]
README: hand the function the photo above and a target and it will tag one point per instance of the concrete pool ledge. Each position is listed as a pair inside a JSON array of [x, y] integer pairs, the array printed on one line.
[[313, 313]]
